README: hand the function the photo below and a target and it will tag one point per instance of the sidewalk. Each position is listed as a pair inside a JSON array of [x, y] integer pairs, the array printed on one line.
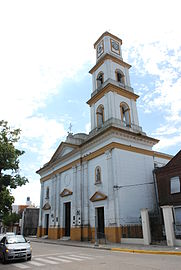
[[151, 249]]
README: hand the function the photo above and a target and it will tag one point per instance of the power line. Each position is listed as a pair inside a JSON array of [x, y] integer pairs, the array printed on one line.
[[135, 185]]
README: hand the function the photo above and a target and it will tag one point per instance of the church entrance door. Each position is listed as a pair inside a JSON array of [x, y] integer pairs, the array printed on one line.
[[67, 218], [100, 222], [46, 223]]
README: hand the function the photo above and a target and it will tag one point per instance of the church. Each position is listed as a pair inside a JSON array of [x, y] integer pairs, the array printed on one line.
[[102, 179]]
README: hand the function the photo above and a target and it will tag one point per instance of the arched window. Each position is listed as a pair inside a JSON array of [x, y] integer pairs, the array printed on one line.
[[100, 115], [97, 175], [100, 79], [125, 114], [47, 193], [120, 76]]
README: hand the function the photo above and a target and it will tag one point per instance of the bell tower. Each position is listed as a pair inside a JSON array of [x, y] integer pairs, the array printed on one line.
[[113, 100]]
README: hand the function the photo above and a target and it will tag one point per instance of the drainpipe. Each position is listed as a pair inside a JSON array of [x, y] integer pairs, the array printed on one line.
[[156, 192]]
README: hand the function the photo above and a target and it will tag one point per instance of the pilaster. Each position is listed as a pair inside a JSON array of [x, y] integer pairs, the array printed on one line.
[[58, 200], [111, 222], [74, 200], [41, 205], [85, 195]]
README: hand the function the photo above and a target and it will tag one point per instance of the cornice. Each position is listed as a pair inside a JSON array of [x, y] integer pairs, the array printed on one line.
[[97, 153], [163, 155], [66, 192], [121, 133], [107, 34], [60, 170], [95, 139], [112, 88], [109, 57], [98, 196]]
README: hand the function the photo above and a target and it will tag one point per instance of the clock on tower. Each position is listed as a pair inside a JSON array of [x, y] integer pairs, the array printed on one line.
[[115, 47]]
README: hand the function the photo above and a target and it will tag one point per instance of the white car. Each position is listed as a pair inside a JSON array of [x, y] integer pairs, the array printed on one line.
[[14, 247]]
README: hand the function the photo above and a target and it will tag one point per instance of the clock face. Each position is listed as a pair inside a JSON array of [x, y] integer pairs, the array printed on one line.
[[100, 49], [115, 46]]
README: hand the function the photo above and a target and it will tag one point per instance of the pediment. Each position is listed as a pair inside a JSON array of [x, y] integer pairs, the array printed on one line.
[[98, 196], [66, 192], [46, 206], [63, 149]]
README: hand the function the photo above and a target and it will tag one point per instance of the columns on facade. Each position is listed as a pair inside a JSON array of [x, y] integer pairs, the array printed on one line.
[[53, 201], [53, 231], [58, 200], [76, 204], [61, 220], [110, 176], [113, 227], [79, 195], [74, 201], [85, 202], [85, 194], [39, 232], [168, 221], [41, 204], [146, 226]]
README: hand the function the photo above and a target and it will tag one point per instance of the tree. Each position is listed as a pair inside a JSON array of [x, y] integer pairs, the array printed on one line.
[[11, 219], [10, 177]]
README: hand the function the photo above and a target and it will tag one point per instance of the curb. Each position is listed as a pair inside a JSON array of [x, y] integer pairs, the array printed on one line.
[[70, 244], [155, 252], [139, 251]]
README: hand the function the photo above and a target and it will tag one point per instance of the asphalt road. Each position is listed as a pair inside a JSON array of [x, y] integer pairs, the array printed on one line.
[[53, 257]]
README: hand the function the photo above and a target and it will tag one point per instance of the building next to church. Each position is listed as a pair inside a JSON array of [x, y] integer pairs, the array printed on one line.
[[101, 179]]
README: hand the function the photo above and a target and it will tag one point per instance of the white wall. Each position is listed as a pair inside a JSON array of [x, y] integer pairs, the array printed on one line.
[[132, 170]]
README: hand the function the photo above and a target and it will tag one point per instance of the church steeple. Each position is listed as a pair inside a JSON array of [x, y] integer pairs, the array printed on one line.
[[112, 98], [108, 43]]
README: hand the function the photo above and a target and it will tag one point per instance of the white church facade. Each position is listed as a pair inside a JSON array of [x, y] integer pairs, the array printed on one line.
[[101, 179]]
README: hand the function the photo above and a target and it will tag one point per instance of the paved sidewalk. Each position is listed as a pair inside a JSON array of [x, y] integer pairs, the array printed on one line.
[[151, 249]]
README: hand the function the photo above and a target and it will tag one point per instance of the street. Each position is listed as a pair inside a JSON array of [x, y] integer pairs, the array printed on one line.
[[52, 256]]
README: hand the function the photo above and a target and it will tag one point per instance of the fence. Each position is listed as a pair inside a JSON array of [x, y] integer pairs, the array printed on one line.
[[157, 228], [132, 231], [177, 229]]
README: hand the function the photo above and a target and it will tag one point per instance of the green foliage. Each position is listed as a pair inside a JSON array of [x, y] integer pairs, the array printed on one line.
[[10, 219], [10, 177]]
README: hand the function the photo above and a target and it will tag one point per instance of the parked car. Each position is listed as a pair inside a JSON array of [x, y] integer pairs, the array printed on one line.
[[1, 236], [14, 247], [9, 233]]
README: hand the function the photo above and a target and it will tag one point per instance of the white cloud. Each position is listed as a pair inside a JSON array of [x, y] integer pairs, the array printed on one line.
[[166, 130], [44, 133], [166, 142], [162, 62], [31, 190]]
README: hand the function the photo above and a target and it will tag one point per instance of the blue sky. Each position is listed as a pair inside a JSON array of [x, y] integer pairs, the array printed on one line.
[[46, 51]]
